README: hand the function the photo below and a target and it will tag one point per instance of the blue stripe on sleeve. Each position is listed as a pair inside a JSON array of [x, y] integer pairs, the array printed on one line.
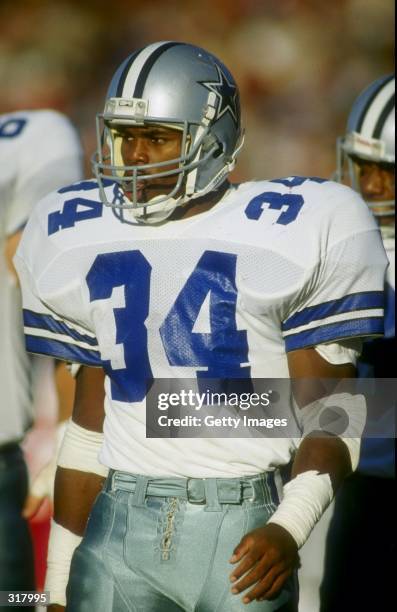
[[47, 322], [370, 326], [62, 350], [355, 301]]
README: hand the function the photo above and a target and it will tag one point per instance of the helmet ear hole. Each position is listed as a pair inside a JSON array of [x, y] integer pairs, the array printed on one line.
[[218, 152]]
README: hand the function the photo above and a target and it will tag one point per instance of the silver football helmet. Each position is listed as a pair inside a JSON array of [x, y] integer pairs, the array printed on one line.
[[173, 85], [370, 136]]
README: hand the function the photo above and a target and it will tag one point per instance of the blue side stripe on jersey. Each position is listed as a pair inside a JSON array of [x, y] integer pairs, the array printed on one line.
[[47, 322], [62, 350], [365, 300], [369, 326]]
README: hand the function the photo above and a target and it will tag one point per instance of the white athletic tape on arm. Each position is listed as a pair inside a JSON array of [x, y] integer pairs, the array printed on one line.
[[79, 450], [340, 414], [305, 499], [61, 546]]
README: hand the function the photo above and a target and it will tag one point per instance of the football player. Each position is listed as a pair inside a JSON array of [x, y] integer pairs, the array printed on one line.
[[160, 268], [39, 151], [360, 543]]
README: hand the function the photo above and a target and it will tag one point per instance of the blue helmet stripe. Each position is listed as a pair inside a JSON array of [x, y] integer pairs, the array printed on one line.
[[383, 116], [143, 75], [369, 102], [123, 76]]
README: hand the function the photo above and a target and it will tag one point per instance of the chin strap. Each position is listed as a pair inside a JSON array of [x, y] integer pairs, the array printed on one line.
[[153, 213]]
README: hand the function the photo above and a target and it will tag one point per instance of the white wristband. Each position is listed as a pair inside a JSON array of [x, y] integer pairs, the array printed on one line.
[[79, 450], [305, 498], [61, 546]]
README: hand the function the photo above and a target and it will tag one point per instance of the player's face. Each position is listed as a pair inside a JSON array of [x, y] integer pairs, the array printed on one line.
[[152, 144], [377, 182]]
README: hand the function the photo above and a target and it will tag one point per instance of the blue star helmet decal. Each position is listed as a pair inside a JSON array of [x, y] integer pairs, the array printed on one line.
[[226, 93]]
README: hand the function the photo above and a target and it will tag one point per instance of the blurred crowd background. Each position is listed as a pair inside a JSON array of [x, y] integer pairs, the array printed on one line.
[[299, 64]]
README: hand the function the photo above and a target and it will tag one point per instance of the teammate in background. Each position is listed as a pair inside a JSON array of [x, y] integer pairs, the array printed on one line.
[[39, 151], [361, 554], [161, 268], [365, 157]]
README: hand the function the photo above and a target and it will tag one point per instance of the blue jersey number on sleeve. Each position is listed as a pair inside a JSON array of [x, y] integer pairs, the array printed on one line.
[[74, 210], [289, 203], [221, 351]]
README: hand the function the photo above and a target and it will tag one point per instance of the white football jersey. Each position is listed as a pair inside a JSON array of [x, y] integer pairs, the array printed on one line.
[[274, 267], [39, 151]]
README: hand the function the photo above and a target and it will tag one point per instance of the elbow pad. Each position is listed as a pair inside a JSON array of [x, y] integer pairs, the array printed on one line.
[[339, 414]]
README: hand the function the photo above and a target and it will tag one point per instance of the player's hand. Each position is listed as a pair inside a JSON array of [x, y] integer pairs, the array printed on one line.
[[267, 556]]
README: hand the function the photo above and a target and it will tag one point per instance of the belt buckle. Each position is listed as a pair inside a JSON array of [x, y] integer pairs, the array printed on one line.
[[190, 489]]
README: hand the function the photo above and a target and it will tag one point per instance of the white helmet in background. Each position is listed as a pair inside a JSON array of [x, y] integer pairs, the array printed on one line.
[[370, 137]]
